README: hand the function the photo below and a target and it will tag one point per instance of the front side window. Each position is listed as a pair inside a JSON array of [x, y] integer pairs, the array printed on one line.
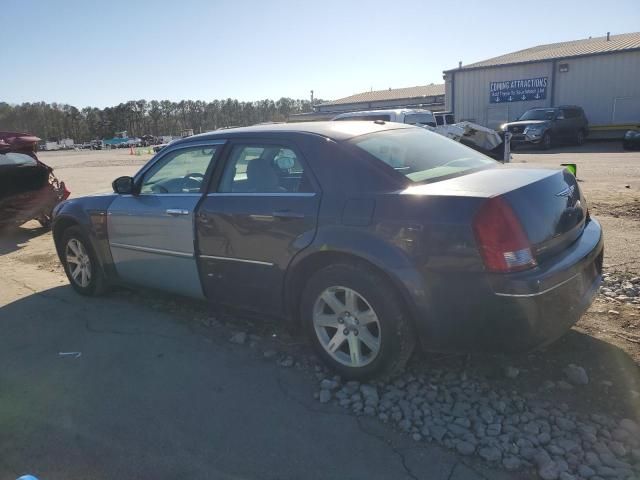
[[264, 169], [181, 171], [420, 155]]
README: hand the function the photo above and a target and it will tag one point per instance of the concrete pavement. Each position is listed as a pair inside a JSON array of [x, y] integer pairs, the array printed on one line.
[[149, 397]]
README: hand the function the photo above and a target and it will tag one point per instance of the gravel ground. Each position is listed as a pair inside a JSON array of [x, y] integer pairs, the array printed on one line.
[[570, 411]]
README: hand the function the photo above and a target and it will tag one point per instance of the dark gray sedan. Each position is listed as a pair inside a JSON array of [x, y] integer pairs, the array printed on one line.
[[372, 236]]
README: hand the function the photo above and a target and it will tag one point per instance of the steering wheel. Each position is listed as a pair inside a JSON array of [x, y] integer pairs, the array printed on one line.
[[192, 180], [159, 189]]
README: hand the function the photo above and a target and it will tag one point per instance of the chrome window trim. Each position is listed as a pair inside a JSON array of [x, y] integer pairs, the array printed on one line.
[[233, 259], [523, 295], [165, 195], [252, 194], [160, 251]]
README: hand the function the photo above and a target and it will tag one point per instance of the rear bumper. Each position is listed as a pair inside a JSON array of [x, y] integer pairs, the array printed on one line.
[[513, 312]]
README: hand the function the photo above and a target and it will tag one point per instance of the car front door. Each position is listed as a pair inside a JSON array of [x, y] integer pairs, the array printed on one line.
[[262, 212], [151, 233]]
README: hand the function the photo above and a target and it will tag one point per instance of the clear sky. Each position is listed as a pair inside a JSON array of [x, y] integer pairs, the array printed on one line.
[[101, 53]]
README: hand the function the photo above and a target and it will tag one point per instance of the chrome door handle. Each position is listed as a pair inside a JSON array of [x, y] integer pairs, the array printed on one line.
[[176, 211], [286, 213]]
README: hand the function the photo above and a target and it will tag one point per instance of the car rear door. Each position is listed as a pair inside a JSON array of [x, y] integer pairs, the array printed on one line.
[[563, 124], [261, 213], [151, 233]]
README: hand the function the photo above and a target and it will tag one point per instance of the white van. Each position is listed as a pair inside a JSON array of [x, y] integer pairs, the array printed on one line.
[[402, 115]]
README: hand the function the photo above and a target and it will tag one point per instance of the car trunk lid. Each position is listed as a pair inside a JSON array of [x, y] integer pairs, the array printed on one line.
[[548, 203], [552, 211]]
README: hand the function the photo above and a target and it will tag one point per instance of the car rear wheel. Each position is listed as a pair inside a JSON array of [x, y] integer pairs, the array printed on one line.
[[547, 141], [356, 322], [80, 263]]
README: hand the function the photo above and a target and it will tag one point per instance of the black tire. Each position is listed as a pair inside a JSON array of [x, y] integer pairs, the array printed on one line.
[[96, 284], [580, 137], [547, 141], [396, 334]]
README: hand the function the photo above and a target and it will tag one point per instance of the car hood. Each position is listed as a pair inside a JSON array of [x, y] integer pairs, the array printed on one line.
[[526, 123]]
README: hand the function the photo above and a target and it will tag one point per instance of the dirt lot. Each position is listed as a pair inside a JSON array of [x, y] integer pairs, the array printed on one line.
[[606, 342], [610, 178]]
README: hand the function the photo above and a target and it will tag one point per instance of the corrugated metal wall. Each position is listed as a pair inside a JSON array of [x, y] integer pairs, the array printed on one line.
[[472, 93], [606, 86]]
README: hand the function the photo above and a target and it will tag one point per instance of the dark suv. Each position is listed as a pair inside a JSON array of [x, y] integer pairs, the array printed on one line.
[[546, 126]]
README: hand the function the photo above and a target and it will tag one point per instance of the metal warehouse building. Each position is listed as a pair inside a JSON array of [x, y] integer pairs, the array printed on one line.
[[602, 75], [423, 96]]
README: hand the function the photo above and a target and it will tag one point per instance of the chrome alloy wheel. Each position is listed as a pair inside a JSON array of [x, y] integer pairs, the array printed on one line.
[[347, 326], [79, 262]]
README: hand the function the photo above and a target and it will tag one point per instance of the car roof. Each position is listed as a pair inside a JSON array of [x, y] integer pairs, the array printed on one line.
[[338, 131]]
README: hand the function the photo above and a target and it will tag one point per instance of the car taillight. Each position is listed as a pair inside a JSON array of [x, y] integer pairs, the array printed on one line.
[[502, 241], [65, 192]]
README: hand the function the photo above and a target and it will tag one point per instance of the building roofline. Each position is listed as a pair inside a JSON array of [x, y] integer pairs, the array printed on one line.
[[542, 60]]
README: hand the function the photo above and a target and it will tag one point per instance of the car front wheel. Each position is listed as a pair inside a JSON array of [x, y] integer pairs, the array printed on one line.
[[80, 263], [356, 322]]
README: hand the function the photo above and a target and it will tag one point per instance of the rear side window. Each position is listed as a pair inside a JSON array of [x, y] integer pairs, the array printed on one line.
[[420, 155], [571, 113], [264, 169]]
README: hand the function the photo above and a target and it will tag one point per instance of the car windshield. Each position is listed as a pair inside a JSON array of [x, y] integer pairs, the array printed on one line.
[[538, 114], [420, 155]]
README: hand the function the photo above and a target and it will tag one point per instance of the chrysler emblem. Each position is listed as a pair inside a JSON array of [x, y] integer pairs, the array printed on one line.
[[567, 192]]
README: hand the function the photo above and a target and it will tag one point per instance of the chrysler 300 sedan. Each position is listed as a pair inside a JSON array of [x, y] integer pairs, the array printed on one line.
[[373, 237]]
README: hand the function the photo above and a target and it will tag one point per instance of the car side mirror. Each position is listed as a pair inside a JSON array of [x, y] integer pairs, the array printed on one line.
[[123, 185]]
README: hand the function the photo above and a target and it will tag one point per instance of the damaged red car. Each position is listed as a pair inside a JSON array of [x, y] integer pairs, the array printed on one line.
[[28, 188]]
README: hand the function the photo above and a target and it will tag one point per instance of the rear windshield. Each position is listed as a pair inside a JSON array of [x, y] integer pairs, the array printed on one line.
[[420, 119], [16, 159], [420, 155]]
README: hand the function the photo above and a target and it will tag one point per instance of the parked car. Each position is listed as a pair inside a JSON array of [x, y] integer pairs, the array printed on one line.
[[415, 116], [28, 188], [546, 126], [371, 236], [631, 140]]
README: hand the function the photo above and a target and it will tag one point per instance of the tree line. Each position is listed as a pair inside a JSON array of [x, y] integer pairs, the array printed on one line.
[[54, 121]]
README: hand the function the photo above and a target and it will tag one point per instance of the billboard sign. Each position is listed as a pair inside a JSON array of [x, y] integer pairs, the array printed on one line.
[[518, 90]]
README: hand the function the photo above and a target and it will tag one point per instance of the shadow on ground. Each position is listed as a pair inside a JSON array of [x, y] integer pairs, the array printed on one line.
[[14, 238], [593, 146]]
